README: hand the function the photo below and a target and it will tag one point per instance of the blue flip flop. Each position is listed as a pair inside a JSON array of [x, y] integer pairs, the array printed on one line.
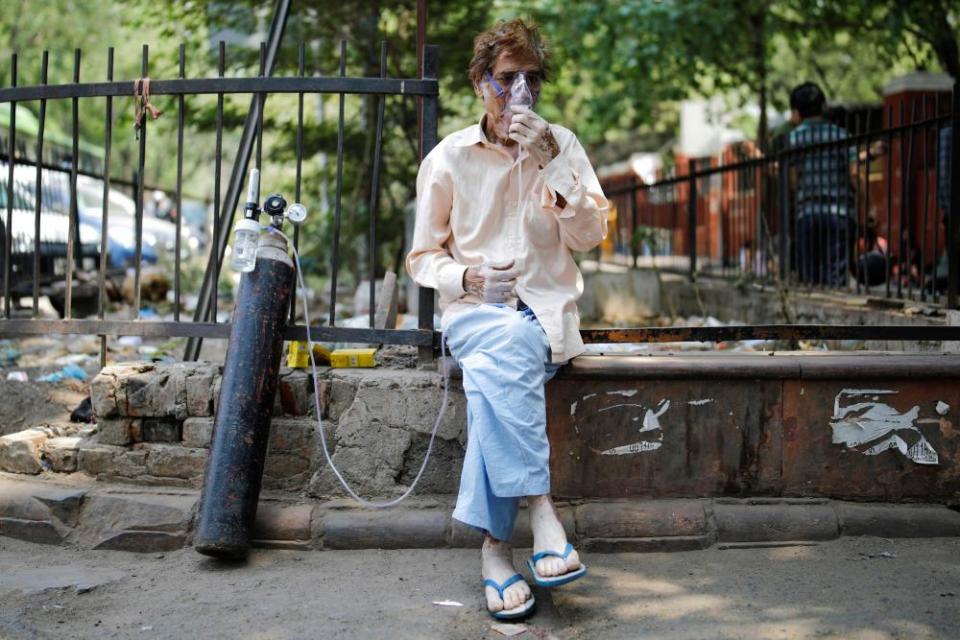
[[555, 581], [517, 612]]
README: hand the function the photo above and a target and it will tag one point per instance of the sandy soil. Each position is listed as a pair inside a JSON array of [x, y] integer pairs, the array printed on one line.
[[860, 588]]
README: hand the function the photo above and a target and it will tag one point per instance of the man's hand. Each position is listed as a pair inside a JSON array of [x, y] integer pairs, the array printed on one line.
[[533, 132], [492, 282]]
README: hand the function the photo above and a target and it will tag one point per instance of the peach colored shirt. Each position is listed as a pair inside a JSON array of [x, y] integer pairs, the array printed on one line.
[[467, 194]]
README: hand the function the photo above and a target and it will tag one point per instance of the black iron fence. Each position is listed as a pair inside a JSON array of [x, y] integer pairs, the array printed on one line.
[[859, 204], [740, 217], [48, 234]]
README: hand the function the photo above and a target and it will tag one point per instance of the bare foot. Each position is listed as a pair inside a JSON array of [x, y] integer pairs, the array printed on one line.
[[496, 563], [548, 534]]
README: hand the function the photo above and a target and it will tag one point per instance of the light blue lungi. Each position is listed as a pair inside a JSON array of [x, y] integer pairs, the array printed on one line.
[[505, 358]]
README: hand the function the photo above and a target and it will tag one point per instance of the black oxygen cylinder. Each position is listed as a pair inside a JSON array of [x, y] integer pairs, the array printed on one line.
[[234, 471]]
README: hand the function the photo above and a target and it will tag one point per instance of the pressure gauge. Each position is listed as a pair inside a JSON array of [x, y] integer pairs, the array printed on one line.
[[297, 213]]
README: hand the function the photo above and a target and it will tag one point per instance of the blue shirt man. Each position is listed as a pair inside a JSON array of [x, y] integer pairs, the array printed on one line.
[[824, 199]]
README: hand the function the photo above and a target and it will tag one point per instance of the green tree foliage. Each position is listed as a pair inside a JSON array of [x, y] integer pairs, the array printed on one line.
[[620, 66]]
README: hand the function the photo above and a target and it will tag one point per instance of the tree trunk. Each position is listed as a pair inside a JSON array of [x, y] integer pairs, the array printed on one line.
[[758, 24], [945, 46]]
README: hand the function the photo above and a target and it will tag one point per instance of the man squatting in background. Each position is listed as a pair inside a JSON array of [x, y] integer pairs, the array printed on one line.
[[508, 287]]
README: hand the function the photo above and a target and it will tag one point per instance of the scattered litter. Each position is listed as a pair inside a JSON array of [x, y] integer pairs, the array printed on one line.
[[447, 603], [71, 371], [882, 554], [18, 376], [942, 407], [508, 629], [146, 627], [147, 350], [9, 356], [298, 356], [83, 412], [130, 341], [353, 358], [73, 358]]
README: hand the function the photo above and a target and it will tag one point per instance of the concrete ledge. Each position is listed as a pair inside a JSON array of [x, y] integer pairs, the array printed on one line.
[[906, 521], [765, 523], [770, 365], [649, 519], [386, 529], [96, 515]]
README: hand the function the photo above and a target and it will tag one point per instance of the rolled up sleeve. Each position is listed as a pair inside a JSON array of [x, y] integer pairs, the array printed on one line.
[[583, 221], [429, 262]]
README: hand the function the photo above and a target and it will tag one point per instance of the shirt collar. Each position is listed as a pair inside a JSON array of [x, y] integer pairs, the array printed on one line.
[[473, 135]]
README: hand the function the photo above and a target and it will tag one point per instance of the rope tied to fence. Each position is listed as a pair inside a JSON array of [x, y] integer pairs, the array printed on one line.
[[142, 104]]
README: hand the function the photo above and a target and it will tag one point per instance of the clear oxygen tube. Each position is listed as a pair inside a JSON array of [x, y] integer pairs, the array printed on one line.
[[520, 96], [316, 395]]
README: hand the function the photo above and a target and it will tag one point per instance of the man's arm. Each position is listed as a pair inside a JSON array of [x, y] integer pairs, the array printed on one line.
[[429, 263], [572, 193]]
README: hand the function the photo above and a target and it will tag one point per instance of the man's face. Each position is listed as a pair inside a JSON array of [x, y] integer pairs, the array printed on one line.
[[503, 71]]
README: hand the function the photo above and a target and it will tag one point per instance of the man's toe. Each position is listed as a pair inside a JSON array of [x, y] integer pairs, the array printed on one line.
[[493, 601]]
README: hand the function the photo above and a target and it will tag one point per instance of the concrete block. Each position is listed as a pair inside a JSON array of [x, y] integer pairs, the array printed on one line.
[[898, 521], [292, 435], [136, 522], [61, 453], [197, 432], [129, 464], [200, 390], [37, 500], [42, 532], [161, 430], [174, 461], [648, 519], [761, 523], [173, 390], [394, 529], [97, 459], [285, 471], [103, 394], [37, 511], [20, 452], [295, 391], [119, 431], [283, 521]]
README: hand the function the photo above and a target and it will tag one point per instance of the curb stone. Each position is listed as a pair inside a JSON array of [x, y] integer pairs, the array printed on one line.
[[93, 514]]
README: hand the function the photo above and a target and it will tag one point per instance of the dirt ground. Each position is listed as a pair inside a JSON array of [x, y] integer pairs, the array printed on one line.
[[859, 588]]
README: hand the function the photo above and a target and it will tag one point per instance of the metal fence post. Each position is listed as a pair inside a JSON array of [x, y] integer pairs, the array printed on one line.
[[692, 220], [634, 244], [953, 250], [428, 140], [784, 187]]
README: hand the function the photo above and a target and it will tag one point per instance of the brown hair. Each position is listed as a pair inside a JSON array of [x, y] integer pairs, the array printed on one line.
[[516, 37]]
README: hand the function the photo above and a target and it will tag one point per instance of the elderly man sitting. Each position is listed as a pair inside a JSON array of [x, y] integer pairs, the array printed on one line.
[[500, 206]]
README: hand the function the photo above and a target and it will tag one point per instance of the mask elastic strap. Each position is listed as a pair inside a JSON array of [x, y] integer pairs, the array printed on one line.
[[500, 91]]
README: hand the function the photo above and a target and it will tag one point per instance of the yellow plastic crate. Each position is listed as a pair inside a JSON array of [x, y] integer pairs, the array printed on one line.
[[353, 358], [298, 357]]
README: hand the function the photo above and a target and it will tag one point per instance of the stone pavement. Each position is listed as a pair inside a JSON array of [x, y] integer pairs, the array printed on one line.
[[88, 514], [850, 588]]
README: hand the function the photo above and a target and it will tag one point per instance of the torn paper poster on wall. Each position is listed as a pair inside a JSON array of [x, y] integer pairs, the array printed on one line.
[[648, 417], [861, 418]]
